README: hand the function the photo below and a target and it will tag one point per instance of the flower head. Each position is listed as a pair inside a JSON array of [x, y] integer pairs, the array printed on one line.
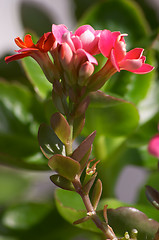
[[112, 45], [28, 48]]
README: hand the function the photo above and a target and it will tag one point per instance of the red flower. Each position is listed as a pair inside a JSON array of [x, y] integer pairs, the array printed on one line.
[[28, 48]]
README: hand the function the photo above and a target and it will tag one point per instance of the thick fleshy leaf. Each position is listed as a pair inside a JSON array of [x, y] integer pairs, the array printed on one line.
[[21, 217], [20, 113], [121, 219], [64, 166], [35, 74], [62, 182], [111, 116], [125, 219], [153, 196], [49, 143], [83, 148], [61, 127]]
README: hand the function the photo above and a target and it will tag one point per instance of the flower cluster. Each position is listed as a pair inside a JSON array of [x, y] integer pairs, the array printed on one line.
[[73, 55]]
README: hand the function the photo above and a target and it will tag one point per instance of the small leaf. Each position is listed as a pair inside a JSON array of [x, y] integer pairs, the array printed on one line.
[[48, 141], [61, 127], [97, 192], [62, 182], [83, 148], [153, 196], [64, 166]]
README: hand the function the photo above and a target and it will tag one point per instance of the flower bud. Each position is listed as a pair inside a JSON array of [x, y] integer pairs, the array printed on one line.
[[85, 71], [65, 54]]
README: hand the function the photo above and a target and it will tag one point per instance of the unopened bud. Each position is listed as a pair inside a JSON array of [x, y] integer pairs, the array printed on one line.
[[65, 54], [85, 71]]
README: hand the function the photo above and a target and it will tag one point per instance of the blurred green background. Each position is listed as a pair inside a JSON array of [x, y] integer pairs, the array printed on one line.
[[27, 204]]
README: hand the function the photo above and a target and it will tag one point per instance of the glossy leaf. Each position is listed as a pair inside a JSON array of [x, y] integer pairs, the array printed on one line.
[[20, 113], [64, 166], [35, 74], [61, 127], [153, 196], [21, 217], [62, 182], [97, 192], [121, 219], [49, 143], [84, 147], [111, 116]]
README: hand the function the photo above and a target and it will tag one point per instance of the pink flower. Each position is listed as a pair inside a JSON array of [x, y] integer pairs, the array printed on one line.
[[112, 45], [84, 42], [153, 146]]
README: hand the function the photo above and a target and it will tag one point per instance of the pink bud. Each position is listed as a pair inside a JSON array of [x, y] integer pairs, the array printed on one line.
[[85, 71], [65, 54]]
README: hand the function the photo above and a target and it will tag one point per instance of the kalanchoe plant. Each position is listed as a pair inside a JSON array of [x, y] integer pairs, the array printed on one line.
[[68, 62]]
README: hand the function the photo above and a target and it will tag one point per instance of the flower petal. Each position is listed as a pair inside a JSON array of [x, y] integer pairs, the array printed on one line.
[[145, 68], [19, 42], [77, 42], [113, 60], [28, 41], [84, 28], [81, 53], [105, 42], [131, 64], [16, 57], [58, 31], [135, 53]]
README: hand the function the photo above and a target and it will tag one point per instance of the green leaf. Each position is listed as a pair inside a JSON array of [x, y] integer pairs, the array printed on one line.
[[83, 148], [96, 195], [35, 74], [25, 216], [121, 219], [62, 182], [110, 116], [20, 114], [61, 127], [64, 166], [49, 143], [153, 196]]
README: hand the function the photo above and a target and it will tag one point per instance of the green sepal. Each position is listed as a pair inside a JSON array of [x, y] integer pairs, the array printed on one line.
[[64, 166], [62, 182]]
